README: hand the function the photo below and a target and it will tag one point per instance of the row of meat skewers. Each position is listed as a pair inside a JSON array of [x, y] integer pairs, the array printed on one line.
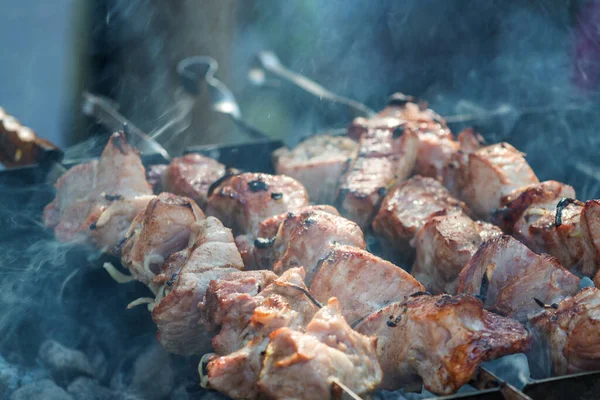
[[285, 293]]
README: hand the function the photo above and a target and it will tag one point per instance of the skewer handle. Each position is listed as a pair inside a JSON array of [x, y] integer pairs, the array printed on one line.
[[19, 145]]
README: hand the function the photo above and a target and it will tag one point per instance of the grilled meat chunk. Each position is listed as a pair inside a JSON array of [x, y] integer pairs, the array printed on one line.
[[87, 191], [304, 365], [452, 175], [570, 332], [176, 312], [246, 329], [361, 281], [318, 163], [490, 173], [385, 157], [164, 228], [191, 175], [436, 148], [408, 206], [440, 340], [444, 245], [242, 201], [303, 239], [512, 277]]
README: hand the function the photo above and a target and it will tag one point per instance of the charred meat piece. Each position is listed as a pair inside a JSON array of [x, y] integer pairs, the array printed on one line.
[[570, 331], [384, 159], [164, 228], [242, 201], [86, 191], [246, 329], [490, 173], [304, 365], [318, 163], [175, 310], [408, 206], [361, 281], [191, 175], [512, 278], [440, 340], [302, 240], [444, 245]]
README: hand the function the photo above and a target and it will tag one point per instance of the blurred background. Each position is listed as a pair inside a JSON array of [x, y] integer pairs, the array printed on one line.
[[526, 71]]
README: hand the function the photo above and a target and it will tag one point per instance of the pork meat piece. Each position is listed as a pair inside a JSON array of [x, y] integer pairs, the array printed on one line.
[[444, 245], [385, 158], [85, 191], [191, 175], [175, 312], [242, 201], [318, 163], [304, 365], [436, 149], [570, 332], [302, 240], [247, 328], [408, 206], [164, 228], [362, 282], [513, 277], [491, 173], [469, 141], [440, 340]]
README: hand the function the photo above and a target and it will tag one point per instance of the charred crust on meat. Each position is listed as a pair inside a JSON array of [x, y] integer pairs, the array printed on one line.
[[216, 183], [264, 243], [258, 185], [121, 242], [119, 139], [398, 131], [420, 293], [562, 204], [393, 322], [485, 283], [382, 191], [310, 221], [276, 196], [544, 305], [93, 226], [400, 99], [112, 197], [172, 279]]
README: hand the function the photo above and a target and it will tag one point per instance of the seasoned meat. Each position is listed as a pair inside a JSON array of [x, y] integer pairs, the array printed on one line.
[[491, 173], [570, 332], [242, 201], [513, 276], [191, 175], [303, 365], [444, 245], [440, 340], [246, 329], [164, 228], [318, 163], [362, 282], [408, 206], [385, 157], [304, 239], [86, 190], [176, 312]]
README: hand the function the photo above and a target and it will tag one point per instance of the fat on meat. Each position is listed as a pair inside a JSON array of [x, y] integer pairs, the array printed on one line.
[[163, 228], [439, 340], [175, 311], [361, 281], [318, 163], [305, 364], [242, 201], [511, 277], [444, 245]]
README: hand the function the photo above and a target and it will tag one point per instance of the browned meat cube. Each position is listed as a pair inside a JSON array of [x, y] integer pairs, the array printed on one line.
[[86, 191], [361, 281], [385, 157], [490, 173], [163, 228], [408, 206], [436, 149], [191, 175], [570, 332], [440, 340], [318, 163], [242, 201], [512, 277], [469, 142], [175, 310], [302, 364], [444, 245]]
